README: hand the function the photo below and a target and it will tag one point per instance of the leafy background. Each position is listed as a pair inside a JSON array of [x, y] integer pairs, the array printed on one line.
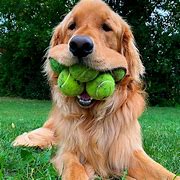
[[26, 27]]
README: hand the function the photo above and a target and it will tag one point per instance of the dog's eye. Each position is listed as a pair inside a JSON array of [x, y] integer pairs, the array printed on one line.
[[106, 27], [72, 26]]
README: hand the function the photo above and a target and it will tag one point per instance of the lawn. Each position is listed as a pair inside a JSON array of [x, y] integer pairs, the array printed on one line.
[[161, 134]]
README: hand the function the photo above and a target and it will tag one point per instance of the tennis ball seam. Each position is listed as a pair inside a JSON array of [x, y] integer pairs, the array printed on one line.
[[65, 80], [83, 73], [101, 85]]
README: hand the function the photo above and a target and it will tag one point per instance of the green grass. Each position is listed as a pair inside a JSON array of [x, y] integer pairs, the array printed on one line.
[[160, 128]]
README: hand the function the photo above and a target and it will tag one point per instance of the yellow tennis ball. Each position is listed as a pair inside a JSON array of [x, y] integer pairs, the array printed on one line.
[[118, 74], [56, 66], [101, 87], [68, 85], [83, 73]]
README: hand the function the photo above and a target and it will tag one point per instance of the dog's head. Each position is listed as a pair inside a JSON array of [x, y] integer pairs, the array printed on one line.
[[96, 36]]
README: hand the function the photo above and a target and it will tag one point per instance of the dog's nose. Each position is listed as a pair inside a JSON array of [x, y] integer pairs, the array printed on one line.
[[81, 46]]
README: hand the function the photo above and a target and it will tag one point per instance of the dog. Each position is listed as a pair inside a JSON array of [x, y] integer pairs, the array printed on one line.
[[96, 137]]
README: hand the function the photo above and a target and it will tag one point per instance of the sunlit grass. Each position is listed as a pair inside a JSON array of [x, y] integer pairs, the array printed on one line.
[[160, 127]]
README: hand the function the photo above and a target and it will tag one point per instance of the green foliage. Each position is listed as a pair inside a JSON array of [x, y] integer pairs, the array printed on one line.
[[160, 132], [26, 28]]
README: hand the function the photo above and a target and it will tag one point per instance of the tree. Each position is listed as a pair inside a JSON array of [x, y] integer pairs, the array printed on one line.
[[26, 27]]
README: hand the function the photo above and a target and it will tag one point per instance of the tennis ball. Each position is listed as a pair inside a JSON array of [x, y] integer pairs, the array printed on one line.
[[68, 85], [101, 87], [118, 74], [56, 66], [83, 73]]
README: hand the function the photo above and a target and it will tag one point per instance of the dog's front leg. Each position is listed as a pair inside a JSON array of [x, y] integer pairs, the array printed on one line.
[[42, 137], [146, 168], [68, 165]]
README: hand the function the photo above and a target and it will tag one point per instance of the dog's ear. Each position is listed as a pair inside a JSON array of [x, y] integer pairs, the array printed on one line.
[[57, 36], [59, 31], [129, 50]]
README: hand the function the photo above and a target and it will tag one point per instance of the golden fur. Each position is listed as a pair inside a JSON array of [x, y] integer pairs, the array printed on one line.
[[104, 139]]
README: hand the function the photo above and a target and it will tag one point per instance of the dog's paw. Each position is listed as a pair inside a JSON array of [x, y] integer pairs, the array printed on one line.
[[74, 171], [41, 137]]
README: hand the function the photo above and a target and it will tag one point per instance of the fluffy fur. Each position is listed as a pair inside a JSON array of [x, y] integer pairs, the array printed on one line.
[[104, 139]]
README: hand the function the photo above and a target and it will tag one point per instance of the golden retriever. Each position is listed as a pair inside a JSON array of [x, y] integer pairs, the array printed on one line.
[[96, 137]]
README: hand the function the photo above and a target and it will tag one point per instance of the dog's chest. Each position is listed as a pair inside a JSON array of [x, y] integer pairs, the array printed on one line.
[[106, 146], [99, 146], [75, 136], [99, 140]]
